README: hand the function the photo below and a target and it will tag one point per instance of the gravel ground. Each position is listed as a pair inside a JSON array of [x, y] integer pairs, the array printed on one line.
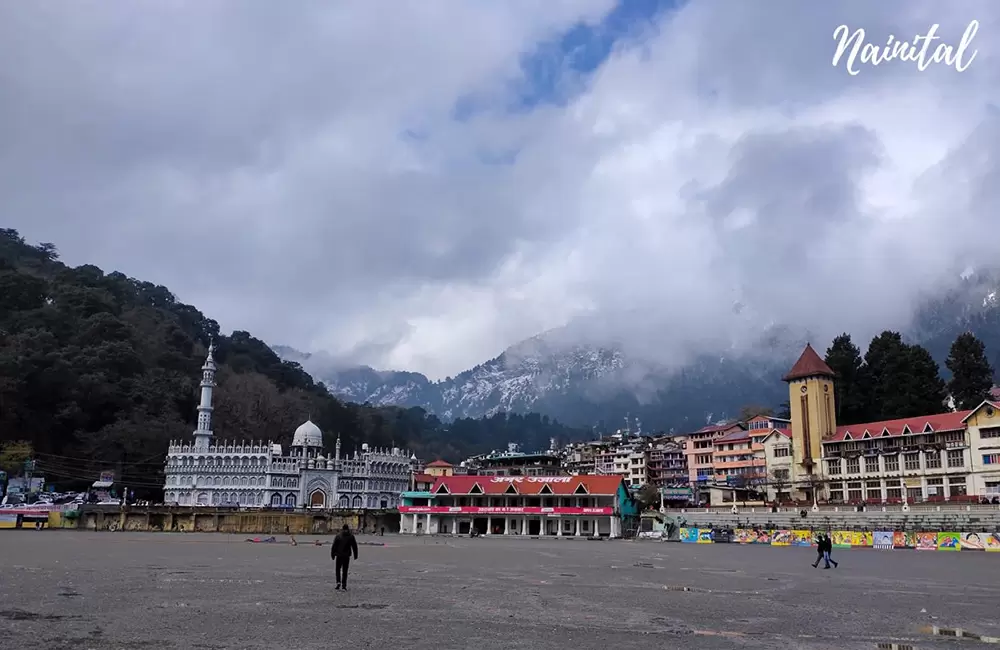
[[61, 589]]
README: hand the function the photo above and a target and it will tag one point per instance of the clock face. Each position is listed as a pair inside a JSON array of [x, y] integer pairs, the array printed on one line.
[[803, 389], [989, 411], [826, 388]]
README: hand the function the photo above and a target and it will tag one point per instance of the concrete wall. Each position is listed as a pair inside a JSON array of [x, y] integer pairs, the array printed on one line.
[[225, 521]]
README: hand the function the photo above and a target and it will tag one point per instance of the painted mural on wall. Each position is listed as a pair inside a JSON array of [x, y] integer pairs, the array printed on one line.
[[949, 542]]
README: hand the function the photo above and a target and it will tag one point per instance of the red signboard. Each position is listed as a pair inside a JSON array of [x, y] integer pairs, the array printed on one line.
[[502, 510]]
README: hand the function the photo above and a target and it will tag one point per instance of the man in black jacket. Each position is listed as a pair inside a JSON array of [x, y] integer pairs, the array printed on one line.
[[343, 546]]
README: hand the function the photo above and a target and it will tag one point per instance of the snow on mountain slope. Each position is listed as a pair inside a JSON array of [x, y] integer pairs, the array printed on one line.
[[585, 385]]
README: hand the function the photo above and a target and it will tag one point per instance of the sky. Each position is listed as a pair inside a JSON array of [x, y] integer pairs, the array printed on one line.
[[421, 187]]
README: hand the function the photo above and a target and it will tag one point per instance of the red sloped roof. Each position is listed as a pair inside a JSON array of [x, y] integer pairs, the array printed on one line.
[[530, 485], [439, 463], [735, 436], [715, 428], [809, 365], [939, 422], [424, 478]]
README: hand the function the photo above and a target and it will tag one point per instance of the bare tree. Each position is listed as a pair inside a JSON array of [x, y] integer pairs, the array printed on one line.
[[814, 483], [780, 481]]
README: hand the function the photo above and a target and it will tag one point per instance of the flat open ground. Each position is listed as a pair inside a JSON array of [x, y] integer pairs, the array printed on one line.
[[61, 589]]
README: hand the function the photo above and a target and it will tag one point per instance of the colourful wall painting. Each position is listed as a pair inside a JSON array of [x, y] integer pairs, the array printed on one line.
[[781, 538], [851, 539], [972, 541], [927, 542], [802, 538], [882, 539], [689, 535], [949, 542], [751, 536], [8, 521], [705, 536]]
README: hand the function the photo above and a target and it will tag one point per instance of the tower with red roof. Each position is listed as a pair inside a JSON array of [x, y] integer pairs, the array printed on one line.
[[814, 412]]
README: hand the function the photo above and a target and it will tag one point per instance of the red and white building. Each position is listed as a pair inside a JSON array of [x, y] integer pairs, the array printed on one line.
[[520, 505]]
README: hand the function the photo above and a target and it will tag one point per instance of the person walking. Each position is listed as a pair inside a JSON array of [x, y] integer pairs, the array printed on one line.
[[827, 549], [344, 545], [820, 549]]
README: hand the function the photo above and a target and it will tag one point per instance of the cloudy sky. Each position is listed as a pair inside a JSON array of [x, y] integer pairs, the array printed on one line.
[[417, 185]]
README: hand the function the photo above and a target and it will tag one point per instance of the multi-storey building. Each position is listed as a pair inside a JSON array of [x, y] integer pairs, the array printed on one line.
[[520, 505], [951, 456], [205, 472], [513, 462], [700, 449], [667, 462]]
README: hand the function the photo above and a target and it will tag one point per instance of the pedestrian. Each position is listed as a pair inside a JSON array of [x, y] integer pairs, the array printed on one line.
[[820, 549], [341, 550], [828, 548], [382, 534]]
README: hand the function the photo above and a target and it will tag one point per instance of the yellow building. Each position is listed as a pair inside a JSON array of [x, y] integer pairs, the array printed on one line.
[[439, 468], [814, 418], [952, 456]]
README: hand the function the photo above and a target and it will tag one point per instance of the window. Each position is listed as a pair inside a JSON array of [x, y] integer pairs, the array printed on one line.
[[935, 487], [956, 458], [992, 433], [892, 463], [911, 461], [853, 466], [870, 464], [915, 494], [956, 486], [991, 459], [782, 452], [854, 491], [894, 493], [873, 490], [836, 495], [833, 467], [932, 459]]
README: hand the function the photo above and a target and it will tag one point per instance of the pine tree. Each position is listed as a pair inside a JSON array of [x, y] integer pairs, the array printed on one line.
[[971, 374], [926, 394], [844, 358], [902, 380]]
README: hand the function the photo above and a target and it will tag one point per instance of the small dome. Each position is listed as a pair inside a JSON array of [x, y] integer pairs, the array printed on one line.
[[307, 435]]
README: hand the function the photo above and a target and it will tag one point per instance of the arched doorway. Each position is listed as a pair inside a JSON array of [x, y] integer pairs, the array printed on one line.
[[345, 503], [317, 499], [276, 500], [203, 499]]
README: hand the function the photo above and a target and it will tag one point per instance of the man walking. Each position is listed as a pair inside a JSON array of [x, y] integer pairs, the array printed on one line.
[[820, 549], [344, 545], [827, 549]]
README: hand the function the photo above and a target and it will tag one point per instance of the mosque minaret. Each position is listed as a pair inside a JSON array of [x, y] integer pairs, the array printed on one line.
[[210, 472]]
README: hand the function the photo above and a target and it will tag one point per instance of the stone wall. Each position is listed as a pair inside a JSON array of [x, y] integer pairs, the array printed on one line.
[[228, 521]]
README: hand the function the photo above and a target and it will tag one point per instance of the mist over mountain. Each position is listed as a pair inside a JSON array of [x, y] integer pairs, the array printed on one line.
[[587, 384]]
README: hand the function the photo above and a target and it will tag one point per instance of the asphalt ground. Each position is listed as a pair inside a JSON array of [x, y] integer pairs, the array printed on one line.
[[63, 589]]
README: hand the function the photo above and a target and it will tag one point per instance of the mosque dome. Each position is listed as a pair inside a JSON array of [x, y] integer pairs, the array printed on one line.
[[307, 435]]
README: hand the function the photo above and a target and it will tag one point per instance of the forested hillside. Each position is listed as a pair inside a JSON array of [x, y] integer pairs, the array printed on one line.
[[99, 371]]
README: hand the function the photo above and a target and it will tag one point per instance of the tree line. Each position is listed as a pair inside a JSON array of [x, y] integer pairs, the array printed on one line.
[[895, 379], [99, 371]]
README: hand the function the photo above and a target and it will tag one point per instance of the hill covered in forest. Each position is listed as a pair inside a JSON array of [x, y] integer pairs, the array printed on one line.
[[99, 371]]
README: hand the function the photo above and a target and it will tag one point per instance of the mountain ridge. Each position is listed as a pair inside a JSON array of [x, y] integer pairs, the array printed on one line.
[[597, 386]]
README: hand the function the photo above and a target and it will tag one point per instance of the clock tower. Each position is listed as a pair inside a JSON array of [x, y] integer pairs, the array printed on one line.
[[813, 409]]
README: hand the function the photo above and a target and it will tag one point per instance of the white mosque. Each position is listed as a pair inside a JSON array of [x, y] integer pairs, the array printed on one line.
[[208, 473]]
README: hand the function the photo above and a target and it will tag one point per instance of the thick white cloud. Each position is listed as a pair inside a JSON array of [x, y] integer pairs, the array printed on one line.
[[299, 172]]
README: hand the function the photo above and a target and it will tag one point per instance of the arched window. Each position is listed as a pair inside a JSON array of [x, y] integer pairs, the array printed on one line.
[[357, 503], [275, 500], [290, 500], [317, 499]]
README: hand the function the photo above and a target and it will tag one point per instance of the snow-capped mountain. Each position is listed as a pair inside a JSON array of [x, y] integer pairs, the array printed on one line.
[[588, 385]]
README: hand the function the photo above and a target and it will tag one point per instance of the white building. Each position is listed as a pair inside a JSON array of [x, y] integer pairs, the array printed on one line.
[[207, 473]]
